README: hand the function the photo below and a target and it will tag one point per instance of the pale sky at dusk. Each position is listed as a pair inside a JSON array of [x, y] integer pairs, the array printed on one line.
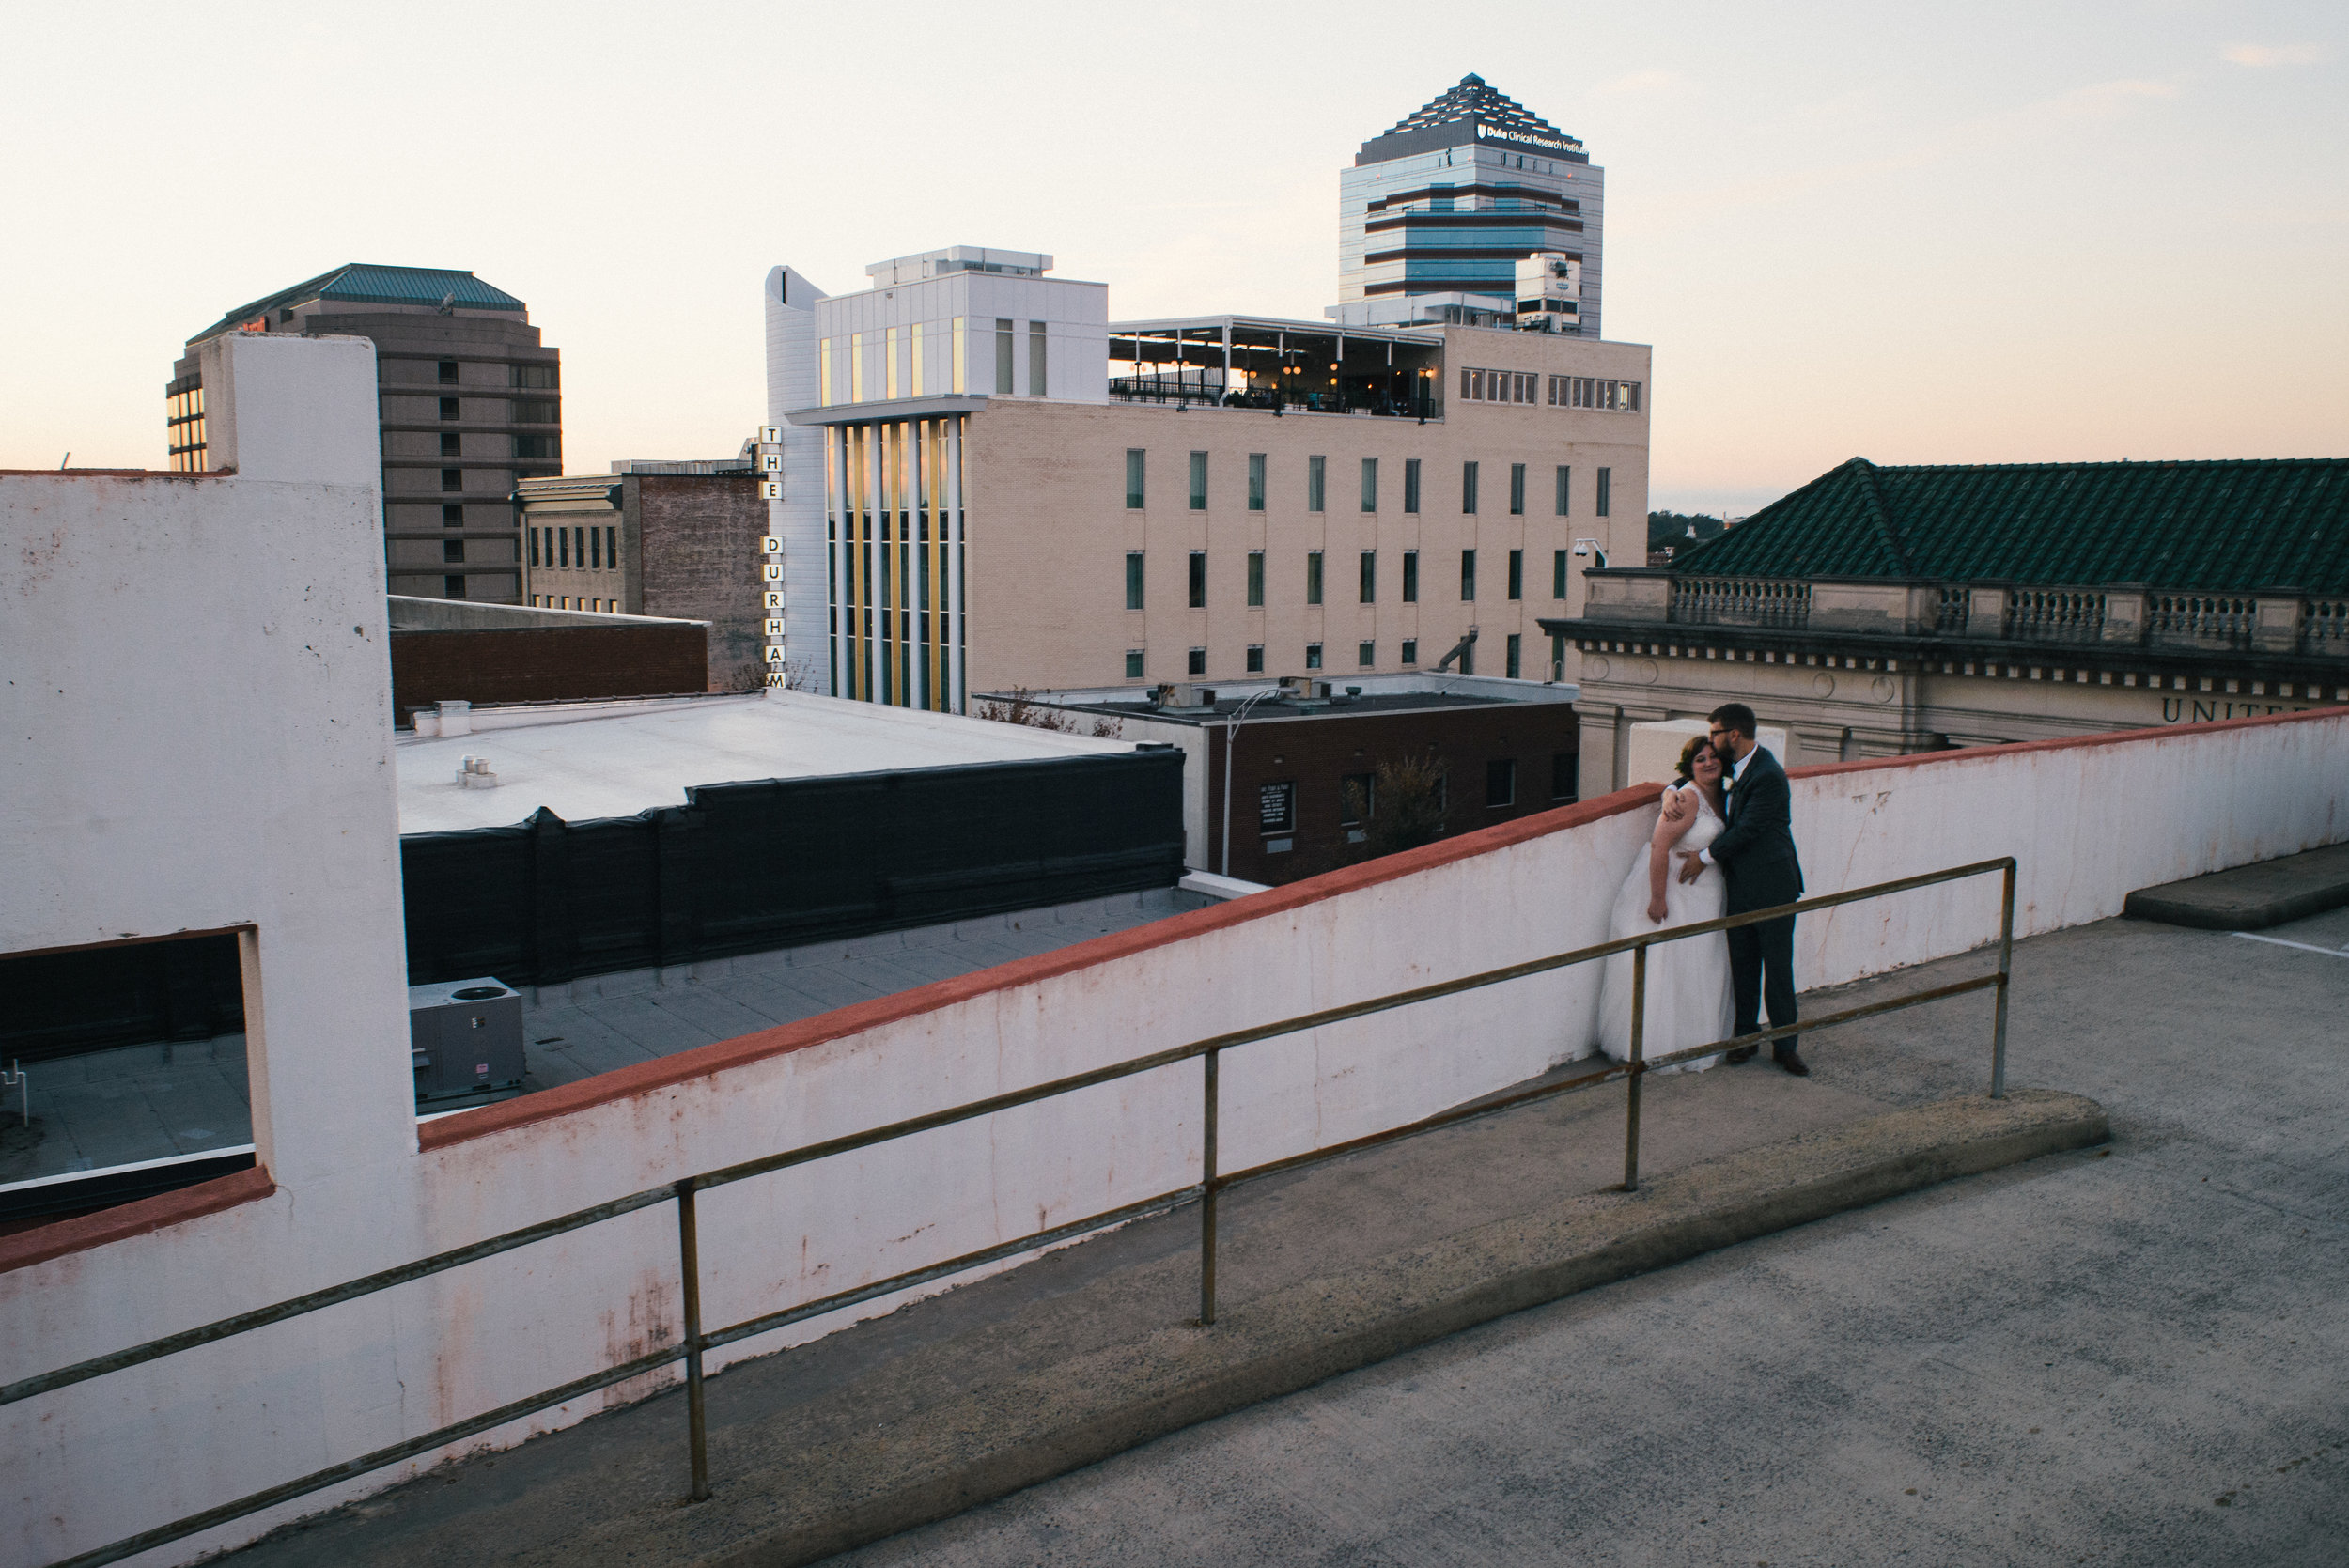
[[1980, 233]]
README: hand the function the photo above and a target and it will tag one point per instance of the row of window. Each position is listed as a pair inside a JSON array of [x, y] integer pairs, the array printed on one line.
[[1366, 657], [1557, 392], [1358, 793], [1317, 485], [547, 447], [533, 377], [563, 602], [592, 548], [1366, 577], [929, 358], [518, 411]]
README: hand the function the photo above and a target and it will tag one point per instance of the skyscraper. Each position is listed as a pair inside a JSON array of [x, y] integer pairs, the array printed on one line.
[[471, 402], [1435, 215]]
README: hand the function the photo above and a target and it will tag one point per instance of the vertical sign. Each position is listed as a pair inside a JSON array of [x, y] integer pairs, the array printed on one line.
[[770, 469]]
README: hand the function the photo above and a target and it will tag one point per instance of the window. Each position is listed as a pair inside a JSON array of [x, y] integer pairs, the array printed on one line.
[[1002, 358], [1198, 579], [448, 372], [1516, 489], [1255, 578], [1038, 344], [1410, 650], [1410, 485], [595, 548], [1517, 574], [452, 514], [1370, 483], [1468, 575], [1255, 481], [892, 350], [856, 368], [537, 446], [529, 411], [1410, 577], [449, 447], [1516, 654], [1606, 489], [563, 548], [611, 547], [1358, 798], [1133, 580], [1501, 783], [1316, 471], [1133, 478], [1198, 481], [1133, 664], [534, 534], [1196, 663], [1562, 780], [1255, 659], [1557, 574], [579, 546], [452, 550], [448, 408], [1313, 577], [1468, 488], [452, 587], [1370, 577], [538, 378], [1557, 656], [1365, 654], [1312, 656], [914, 355], [452, 479], [1563, 501]]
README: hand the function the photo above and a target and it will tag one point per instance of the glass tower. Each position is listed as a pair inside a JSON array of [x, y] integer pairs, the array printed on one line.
[[1436, 213]]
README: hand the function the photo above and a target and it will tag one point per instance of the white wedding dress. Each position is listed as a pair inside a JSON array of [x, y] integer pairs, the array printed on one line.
[[1688, 1000]]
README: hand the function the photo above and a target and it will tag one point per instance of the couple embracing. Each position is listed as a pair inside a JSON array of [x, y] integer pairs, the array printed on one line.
[[1724, 844]]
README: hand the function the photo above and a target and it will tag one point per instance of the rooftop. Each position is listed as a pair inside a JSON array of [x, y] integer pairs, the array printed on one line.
[[630, 757], [1298, 697], [1484, 113], [2228, 526], [370, 282]]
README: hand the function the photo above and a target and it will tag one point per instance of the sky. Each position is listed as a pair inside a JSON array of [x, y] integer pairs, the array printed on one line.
[[1963, 233]]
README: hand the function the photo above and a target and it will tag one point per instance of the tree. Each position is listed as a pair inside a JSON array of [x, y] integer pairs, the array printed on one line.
[[1681, 529], [1407, 806]]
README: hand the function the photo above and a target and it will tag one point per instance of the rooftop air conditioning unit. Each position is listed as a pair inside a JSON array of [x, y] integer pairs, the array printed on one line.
[[465, 1040]]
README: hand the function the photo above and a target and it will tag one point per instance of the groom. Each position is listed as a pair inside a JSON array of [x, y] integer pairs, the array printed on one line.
[[1756, 854]]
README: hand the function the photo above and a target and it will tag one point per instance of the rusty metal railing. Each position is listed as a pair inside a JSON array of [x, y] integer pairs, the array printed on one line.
[[697, 1340]]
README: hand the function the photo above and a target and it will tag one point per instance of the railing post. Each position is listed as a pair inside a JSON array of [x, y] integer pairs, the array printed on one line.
[[1639, 1071], [1210, 1063], [2006, 964], [690, 1269]]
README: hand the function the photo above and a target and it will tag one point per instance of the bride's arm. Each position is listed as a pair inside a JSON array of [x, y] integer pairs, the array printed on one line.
[[1669, 829]]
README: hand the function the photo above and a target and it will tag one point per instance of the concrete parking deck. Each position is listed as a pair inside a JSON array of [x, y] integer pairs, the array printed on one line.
[[912, 1411]]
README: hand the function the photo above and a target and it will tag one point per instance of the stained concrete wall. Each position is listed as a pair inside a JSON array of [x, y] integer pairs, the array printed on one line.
[[2088, 822]]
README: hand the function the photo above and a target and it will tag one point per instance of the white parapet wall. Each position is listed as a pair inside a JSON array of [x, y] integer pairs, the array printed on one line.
[[2089, 821]]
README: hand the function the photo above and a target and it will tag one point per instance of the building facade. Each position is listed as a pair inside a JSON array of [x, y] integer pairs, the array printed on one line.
[[1211, 498], [1436, 214], [1880, 610], [653, 541], [469, 402]]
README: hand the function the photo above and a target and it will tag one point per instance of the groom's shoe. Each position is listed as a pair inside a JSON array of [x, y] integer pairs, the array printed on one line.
[[1795, 1065], [1743, 1053]]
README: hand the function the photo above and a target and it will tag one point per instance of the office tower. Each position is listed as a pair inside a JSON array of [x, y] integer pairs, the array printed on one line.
[[1436, 214], [471, 402]]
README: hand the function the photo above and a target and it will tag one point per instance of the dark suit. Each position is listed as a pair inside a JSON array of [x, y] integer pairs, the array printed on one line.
[[1756, 854]]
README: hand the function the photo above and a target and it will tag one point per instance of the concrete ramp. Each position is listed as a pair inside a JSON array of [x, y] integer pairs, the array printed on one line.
[[2250, 897], [977, 1393]]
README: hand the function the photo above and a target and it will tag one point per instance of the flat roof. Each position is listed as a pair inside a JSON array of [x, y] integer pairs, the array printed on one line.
[[1274, 324], [617, 765]]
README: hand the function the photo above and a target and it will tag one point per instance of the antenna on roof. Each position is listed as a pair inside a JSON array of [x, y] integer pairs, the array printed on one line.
[[62, 461], [447, 300]]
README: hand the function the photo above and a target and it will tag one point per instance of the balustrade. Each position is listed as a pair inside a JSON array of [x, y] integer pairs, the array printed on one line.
[[2055, 615], [1740, 602], [2222, 620], [2324, 627]]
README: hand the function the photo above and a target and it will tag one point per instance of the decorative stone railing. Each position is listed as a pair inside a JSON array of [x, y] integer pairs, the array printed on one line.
[[2054, 615], [1740, 602], [2324, 627]]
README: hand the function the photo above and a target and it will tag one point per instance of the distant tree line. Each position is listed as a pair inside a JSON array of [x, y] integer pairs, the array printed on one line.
[[1681, 529]]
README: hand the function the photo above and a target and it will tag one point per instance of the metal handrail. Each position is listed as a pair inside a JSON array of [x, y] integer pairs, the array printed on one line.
[[698, 1339]]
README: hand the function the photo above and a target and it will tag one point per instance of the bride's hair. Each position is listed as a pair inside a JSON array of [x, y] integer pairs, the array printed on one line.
[[1689, 757]]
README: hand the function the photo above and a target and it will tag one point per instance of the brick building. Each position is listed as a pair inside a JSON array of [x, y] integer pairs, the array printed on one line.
[[469, 402], [671, 539]]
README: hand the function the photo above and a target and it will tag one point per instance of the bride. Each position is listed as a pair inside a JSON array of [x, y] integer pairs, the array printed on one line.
[[1688, 1000]]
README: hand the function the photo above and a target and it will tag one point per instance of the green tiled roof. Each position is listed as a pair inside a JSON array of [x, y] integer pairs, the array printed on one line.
[[2217, 526], [366, 283]]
